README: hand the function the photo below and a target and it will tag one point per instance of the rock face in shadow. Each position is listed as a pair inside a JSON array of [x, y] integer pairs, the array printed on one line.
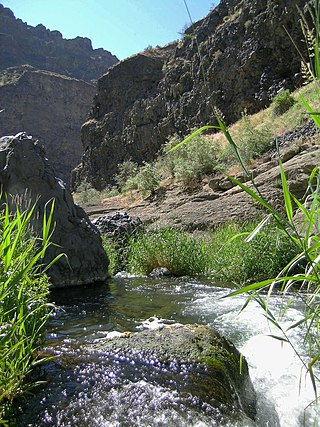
[[21, 44], [48, 106], [246, 57], [53, 103], [125, 121], [24, 169], [194, 360]]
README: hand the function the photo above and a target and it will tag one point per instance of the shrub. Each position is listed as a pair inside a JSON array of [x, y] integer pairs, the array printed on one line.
[[253, 141], [146, 180], [225, 257], [282, 103], [112, 250], [87, 194], [191, 162], [127, 170], [234, 259]]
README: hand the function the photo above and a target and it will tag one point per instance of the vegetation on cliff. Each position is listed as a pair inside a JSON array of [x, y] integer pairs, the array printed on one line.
[[208, 154]]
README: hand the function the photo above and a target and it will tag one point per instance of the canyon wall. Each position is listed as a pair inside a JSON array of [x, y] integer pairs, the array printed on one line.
[[236, 59]]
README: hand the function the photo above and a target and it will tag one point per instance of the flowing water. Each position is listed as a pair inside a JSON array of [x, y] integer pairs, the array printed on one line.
[[91, 392]]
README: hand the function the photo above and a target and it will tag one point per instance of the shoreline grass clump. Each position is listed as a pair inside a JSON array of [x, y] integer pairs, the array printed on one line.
[[169, 248], [226, 254], [235, 258], [24, 309]]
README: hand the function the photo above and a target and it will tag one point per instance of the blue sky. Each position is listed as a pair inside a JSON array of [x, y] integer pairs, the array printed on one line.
[[123, 27]]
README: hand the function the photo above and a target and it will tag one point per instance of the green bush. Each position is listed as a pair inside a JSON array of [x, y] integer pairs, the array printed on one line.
[[146, 180], [225, 257], [252, 142], [233, 259], [127, 170], [282, 102], [191, 162], [112, 250], [87, 194]]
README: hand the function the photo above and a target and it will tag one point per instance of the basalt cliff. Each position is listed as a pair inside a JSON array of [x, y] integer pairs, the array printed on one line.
[[22, 44], [49, 106], [46, 87], [237, 58]]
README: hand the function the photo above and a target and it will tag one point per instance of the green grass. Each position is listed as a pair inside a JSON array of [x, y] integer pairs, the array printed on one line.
[[225, 255], [189, 164], [236, 259], [169, 248], [253, 141], [23, 302], [146, 180], [282, 102]]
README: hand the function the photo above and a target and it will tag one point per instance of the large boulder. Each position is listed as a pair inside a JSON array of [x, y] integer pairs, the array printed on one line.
[[177, 375], [118, 226], [195, 360], [25, 172]]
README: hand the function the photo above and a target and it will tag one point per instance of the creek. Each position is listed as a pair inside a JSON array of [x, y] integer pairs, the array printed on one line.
[[90, 393]]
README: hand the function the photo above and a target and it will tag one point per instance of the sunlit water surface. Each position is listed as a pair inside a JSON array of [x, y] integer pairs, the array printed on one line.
[[93, 392]]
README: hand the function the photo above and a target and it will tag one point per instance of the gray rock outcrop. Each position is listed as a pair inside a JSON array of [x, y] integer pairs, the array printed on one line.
[[26, 172], [47, 84], [219, 201], [118, 225], [48, 106], [246, 58], [119, 228]]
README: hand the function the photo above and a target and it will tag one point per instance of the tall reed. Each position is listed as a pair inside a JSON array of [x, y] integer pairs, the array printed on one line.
[[24, 309]]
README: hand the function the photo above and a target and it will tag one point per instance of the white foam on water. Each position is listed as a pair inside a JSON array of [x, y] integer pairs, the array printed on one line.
[[284, 390]]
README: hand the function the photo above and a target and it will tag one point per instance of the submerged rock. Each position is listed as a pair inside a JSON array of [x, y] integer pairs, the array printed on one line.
[[160, 272], [26, 174], [192, 359]]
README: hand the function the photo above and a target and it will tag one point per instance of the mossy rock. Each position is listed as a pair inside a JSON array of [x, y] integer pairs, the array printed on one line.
[[195, 360]]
